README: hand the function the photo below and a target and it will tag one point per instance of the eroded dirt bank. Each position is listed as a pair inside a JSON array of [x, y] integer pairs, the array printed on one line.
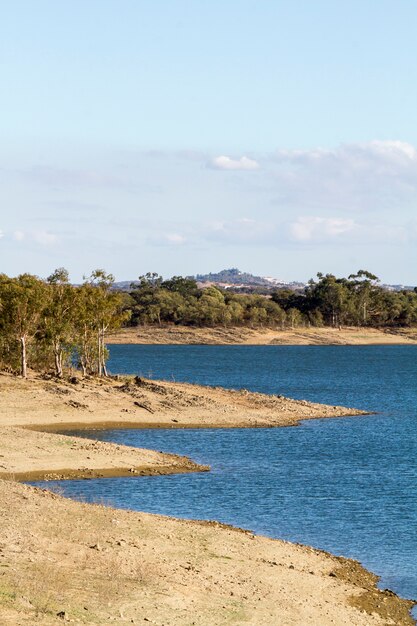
[[135, 402], [89, 564]]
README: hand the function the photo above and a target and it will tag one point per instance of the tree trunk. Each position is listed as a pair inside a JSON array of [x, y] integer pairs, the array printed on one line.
[[23, 356], [103, 352], [58, 359], [99, 357]]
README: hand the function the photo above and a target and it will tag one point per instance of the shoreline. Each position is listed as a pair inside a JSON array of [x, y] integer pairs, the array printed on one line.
[[187, 335], [47, 404], [213, 571], [116, 472], [64, 427]]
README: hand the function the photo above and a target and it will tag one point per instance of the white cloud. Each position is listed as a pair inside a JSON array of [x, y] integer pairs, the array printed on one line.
[[44, 238], [227, 163], [370, 176], [395, 149], [168, 239], [1, 234], [18, 235], [40, 237], [313, 228], [239, 231]]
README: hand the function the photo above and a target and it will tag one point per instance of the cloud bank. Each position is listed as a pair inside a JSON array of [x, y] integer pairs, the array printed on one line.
[[358, 177]]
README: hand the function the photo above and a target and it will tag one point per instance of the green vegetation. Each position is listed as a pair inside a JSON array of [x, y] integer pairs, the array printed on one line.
[[51, 324], [358, 300]]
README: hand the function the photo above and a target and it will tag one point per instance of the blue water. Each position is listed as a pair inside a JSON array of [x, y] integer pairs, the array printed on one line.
[[344, 485]]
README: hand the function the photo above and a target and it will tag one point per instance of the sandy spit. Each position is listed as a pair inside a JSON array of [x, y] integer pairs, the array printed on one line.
[[263, 336], [64, 561], [133, 402]]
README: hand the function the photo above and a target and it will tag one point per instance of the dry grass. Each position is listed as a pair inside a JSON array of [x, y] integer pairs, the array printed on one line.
[[100, 565]]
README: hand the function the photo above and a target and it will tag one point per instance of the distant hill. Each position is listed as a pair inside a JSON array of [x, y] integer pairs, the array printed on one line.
[[125, 285], [234, 277]]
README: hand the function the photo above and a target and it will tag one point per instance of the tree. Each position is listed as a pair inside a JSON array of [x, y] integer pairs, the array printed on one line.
[[184, 286], [23, 302], [364, 284], [330, 296], [294, 317], [102, 310], [211, 308], [59, 316]]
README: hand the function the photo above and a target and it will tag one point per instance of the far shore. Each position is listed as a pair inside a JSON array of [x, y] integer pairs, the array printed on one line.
[[177, 335], [91, 564]]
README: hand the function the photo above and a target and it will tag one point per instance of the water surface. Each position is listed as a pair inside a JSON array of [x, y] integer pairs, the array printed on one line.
[[344, 485]]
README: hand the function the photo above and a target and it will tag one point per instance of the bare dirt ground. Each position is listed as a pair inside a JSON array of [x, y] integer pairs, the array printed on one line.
[[247, 336], [136, 402], [30, 455], [63, 561]]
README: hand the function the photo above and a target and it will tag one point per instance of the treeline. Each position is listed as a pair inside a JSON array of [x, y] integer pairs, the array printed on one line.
[[358, 300], [51, 324]]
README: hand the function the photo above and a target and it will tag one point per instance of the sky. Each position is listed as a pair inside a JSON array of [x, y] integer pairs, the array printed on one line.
[[183, 137]]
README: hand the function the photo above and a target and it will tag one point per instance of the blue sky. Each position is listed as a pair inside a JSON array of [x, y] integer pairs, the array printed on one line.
[[184, 137]]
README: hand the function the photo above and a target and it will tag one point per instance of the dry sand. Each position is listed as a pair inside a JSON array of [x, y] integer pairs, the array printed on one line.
[[264, 336], [98, 565], [127, 402], [90, 564]]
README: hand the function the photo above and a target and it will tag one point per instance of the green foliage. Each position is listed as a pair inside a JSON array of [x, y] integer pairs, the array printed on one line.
[[48, 324], [358, 300], [44, 323]]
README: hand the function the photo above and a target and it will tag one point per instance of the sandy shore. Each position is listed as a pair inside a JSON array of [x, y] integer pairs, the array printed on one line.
[[48, 405], [66, 561], [127, 402], [247, 336], [97, 565]]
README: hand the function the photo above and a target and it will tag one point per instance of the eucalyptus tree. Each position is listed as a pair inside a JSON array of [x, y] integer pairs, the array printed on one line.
[[184, 285], [211, 307], [84, 328], [294, 317], [100, 311], [24, 300], [364, 285], [330, 295], [59, 316]]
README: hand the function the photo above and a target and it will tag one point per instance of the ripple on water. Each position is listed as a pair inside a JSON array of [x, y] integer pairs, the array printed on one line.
[[347, 486]]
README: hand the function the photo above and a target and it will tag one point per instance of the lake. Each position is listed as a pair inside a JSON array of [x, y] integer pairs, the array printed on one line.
[[344, 485]]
